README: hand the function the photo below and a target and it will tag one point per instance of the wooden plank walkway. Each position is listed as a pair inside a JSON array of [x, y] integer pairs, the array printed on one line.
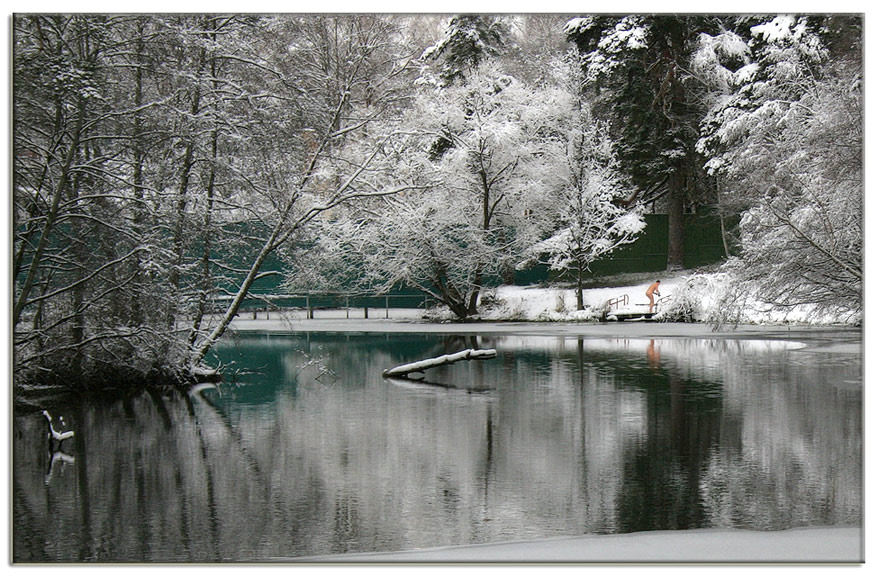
[[628, 314]]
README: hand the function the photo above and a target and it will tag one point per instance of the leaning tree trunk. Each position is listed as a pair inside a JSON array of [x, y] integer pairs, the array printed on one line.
[[50, 220], [472, 307]]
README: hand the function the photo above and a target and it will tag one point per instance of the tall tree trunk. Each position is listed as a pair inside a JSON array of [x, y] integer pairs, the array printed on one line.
[[137, 183], [205, 281], [580, 272], [722, 220], [676, 234], [80, 252], [206, 284], [183, 192], [473, 301]]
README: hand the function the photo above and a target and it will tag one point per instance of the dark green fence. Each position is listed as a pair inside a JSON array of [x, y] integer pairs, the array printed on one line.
[[704, 241], [649, 253], [703, 245]]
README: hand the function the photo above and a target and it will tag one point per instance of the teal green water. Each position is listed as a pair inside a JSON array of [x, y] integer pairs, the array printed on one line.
[[307, 450]]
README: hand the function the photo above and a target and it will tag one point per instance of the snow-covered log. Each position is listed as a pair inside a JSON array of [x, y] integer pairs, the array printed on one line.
[[469, 354]]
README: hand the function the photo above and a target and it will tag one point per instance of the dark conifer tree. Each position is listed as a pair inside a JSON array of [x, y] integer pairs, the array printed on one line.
[[638, 68]]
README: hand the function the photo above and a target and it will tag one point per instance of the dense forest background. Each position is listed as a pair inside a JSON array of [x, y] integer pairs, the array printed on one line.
[[426, 151]]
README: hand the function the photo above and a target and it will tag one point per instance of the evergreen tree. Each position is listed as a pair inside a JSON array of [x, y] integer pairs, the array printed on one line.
[[637, 67], [468, 41], [786, 144]]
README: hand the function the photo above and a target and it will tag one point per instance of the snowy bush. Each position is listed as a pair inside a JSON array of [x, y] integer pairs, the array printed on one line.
[[683, 305], [787, 143], [694, 299]]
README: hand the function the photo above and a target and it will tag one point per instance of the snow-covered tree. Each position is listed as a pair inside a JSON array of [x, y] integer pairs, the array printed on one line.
[[589, 208], [473, 151], [82, 238], [468, 40], [786, 141], [350, 65], [145, 145]]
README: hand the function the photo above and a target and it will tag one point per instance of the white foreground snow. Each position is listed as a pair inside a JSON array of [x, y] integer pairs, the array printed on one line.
[[811, 545]]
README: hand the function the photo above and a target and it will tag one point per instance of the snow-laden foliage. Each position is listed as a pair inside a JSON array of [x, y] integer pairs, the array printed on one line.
[[473, 155], [468, 40], [695, 299], [639, 69], [787, 144], [723, 61], [161, 160], [591, 220], [763, 92], [613, 43], [506, 174]]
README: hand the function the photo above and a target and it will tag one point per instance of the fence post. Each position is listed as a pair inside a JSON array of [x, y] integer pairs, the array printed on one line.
[[308, 305], [386, 307]]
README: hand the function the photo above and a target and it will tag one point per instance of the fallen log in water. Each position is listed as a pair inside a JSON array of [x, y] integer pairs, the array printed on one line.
[[470, 354]]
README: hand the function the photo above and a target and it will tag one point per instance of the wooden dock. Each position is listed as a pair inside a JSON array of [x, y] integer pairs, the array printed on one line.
[[632, 315], [620, 309]]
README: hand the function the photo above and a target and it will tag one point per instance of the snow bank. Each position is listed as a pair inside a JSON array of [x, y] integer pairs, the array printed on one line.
[[835, 545], [706, 297], [693, 298], [552, 304]]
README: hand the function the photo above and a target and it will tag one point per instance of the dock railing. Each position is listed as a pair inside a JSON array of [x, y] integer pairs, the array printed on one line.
[[615, 302]]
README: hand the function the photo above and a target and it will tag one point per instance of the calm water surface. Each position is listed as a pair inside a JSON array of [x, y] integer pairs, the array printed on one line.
[[309, 451]]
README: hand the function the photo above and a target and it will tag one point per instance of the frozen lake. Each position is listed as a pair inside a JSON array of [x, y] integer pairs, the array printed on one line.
[[308, 451]]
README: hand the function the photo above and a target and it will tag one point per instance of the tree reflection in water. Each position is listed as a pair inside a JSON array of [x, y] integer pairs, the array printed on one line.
[[311, 452]]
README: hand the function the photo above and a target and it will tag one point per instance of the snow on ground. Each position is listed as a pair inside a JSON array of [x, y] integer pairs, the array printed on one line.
[[825, 545], [559, 304], [700, 294]]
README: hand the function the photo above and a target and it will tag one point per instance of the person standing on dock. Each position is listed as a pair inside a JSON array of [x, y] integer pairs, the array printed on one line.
[[653, 290]]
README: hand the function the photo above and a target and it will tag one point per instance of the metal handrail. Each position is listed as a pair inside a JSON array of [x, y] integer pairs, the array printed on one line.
[[616, 301], [659, 301]]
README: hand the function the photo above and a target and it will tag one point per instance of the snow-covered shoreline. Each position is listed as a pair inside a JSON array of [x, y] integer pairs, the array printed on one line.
[[698, 296], [552, 309], [838, 339], [834, 545]]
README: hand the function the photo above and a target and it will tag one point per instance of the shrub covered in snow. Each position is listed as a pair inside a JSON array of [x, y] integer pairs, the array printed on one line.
[[695, 299], [533, 304]]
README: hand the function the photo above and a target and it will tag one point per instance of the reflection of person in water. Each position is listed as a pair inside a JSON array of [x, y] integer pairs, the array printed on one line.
[[653, 289], [653, 355]]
